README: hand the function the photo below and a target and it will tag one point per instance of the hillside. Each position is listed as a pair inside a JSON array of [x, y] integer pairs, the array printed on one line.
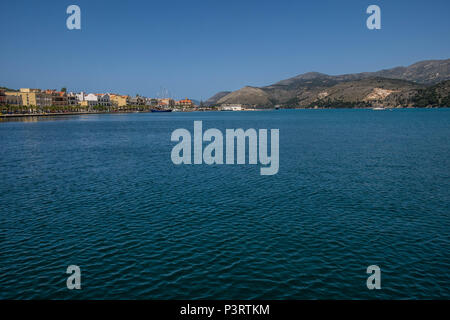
[[434, 96], [215, 98], [393, 87], [360, 93], [247, 95]]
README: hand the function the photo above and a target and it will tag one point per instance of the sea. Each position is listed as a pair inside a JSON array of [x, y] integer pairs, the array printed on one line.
[[355, 188]]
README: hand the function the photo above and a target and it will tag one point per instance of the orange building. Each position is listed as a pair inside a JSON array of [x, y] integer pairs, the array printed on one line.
[[185, 103]]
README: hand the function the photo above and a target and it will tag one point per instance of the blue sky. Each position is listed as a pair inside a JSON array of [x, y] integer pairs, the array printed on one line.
[[197, 48]]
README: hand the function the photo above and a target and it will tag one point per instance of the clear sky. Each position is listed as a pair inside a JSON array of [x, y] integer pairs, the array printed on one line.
[[197, 48]]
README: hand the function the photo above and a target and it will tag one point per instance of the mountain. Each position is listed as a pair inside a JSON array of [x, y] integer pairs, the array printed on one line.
[[425, 72], [393, 87], [247, 95], [215, 98]]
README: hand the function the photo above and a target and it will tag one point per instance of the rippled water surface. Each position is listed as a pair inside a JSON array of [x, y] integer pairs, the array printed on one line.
[[355, 188]]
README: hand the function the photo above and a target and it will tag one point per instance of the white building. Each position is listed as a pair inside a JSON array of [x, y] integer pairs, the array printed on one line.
[[232, 107], [80, 96], [94, 99], [72, 99], [103, 100]]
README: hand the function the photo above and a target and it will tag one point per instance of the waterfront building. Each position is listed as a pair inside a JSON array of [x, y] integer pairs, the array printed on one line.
[[119, 100], [91, 100], [80, 97], [137, 101], [72, 99], [58, 98], [166, 102], [94, 99], [231, 107], [185, 103], [151, 101], [35, 97], [103, 100], [10, 98], [85, 103]]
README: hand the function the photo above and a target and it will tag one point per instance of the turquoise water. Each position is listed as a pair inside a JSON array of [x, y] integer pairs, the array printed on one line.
[[355, 188]]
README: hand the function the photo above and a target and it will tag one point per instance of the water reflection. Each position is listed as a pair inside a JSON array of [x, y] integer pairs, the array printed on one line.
[[41, 118]]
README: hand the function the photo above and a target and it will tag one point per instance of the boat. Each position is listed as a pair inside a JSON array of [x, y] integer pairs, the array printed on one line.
[[158, 110], [379, 108]]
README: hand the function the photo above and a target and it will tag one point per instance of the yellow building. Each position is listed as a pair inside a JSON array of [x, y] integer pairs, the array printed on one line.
[[11, 98], [118, 100], [35, 97]]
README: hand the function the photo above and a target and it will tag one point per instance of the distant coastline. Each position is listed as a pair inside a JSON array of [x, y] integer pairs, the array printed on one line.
[[425, 84]]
